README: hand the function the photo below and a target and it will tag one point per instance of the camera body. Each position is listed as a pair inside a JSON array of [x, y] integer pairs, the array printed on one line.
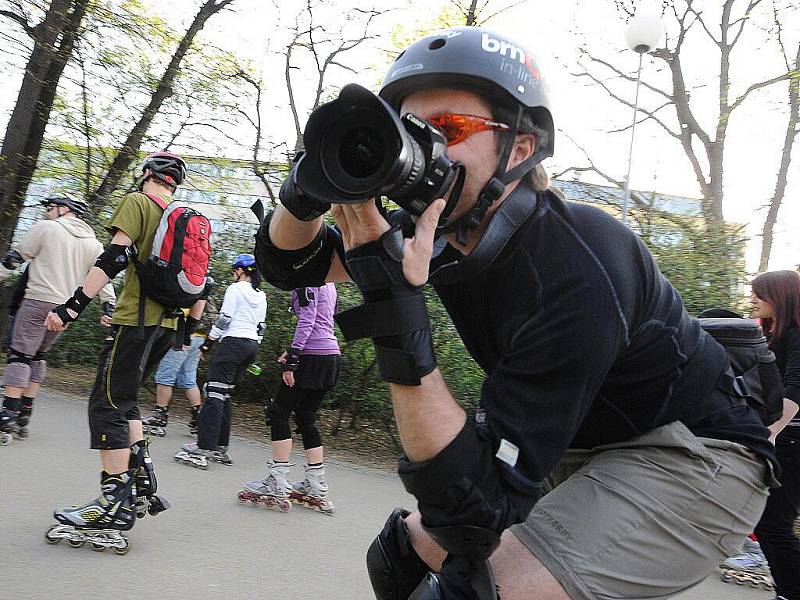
[[358, 148]]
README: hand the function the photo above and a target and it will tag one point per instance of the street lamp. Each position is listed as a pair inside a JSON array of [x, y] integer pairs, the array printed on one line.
[[644, 32]]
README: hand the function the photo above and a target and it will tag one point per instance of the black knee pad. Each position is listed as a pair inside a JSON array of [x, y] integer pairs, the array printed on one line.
[[458, 582], [18, 357], [218, 390], [394, 567]]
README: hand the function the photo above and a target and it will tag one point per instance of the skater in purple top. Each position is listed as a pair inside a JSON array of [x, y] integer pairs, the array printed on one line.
[[310, 368]]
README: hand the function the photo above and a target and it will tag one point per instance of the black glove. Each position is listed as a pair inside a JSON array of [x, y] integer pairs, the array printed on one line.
[[292, 360], [12, 260], [393, 314], [208, 345], [188, 329], [77, 303]]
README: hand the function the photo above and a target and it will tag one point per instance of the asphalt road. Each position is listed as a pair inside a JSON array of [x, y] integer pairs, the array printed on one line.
[[208, 546]]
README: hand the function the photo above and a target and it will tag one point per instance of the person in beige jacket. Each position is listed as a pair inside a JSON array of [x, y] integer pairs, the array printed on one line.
[[61, 249]]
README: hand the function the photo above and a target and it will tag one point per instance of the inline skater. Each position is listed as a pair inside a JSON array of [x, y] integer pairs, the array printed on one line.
[[238, 332], [60, 250], [310, 369], [144, 333]]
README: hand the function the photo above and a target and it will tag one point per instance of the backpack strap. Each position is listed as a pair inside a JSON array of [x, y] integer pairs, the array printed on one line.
[[162, 204]]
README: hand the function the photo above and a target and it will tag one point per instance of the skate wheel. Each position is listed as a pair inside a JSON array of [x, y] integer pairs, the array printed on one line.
[[76, 543], [241, 497], [122, 551], [5, 439], [51, 540], [284, 506], [98, 547]]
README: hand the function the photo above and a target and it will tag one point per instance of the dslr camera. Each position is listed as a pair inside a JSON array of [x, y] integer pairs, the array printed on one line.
[[358, 148]]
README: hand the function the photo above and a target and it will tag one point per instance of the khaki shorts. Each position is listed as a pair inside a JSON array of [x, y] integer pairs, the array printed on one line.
[[646, 518]]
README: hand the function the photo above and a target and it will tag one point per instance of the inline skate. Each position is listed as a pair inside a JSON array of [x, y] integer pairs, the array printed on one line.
[[156, 424], [194, 411], [749, 568], [313, 490], [101, 521], [140, 463], [221, 456], [273, 491], [24, 418], [191, 454], [8, 425]]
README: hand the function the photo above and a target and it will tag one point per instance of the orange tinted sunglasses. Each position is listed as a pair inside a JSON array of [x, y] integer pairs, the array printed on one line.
[[456, 128]]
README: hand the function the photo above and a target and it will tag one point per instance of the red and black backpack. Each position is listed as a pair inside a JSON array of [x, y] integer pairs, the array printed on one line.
[[175, 274]]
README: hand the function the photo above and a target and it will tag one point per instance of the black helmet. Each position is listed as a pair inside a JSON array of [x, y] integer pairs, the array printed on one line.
[[166, 166], [79, 207], [475, 59]]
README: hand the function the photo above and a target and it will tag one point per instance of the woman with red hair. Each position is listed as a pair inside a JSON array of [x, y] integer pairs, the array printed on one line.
[[776, 302]]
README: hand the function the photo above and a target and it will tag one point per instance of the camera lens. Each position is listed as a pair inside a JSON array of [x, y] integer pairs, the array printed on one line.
[[361, 152]]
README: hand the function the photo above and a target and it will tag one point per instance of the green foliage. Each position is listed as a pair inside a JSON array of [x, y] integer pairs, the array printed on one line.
[[706, 266]]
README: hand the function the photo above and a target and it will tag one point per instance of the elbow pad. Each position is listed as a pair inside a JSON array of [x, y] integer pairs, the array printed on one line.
[[290, 269], [114, 259], [223, 321]]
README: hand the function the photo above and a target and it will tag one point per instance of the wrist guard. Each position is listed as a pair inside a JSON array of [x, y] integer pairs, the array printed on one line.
[[303, 207], [188, 329], [77, 303], [393, 313], [108, 309], [292, 360], [12, 260], [208, 345]]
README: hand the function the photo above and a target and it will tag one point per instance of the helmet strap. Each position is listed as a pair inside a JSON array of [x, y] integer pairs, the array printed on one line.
[[494, 188]]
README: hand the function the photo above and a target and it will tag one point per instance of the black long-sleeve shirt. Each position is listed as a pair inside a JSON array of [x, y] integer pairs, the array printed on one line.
[[583, 340], [787, 357]]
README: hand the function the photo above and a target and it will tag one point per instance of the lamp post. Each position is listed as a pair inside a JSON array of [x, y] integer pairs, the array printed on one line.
[[643, 33]]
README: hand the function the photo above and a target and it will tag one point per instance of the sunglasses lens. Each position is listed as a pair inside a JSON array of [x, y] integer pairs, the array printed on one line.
[[454, 127]]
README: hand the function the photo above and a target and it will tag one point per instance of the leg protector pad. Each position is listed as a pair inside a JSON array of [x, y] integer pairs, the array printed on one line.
[[458, 582], [217, 390], [394, 568], [38, 370], [18, 370]]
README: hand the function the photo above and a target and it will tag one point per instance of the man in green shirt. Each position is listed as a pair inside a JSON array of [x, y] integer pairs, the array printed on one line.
[[128, 481]]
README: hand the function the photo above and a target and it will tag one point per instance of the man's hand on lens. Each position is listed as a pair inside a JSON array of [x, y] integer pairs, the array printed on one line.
[[363, 223], [360, 223]]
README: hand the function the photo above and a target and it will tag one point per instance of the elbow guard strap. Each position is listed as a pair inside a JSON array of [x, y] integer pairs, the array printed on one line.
[[114, 259]]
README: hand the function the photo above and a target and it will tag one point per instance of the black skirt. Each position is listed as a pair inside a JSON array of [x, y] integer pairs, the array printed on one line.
[[318, 372]]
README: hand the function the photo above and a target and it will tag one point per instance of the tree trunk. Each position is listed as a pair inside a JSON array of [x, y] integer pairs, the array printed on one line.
[[783, 171], [127, 154], [53, 42]]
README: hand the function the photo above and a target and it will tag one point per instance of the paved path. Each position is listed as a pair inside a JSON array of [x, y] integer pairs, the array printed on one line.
[[207, 547]]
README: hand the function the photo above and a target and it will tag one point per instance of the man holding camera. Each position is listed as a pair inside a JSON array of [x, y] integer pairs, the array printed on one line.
[[605, 460]]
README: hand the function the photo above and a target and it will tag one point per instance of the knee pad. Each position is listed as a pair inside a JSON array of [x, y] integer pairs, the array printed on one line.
[[18, 369], [216, 390], [394, 568], [38, 368], [458, 581]]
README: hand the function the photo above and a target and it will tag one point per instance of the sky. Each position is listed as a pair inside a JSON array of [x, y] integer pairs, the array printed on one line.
[[583, 114]]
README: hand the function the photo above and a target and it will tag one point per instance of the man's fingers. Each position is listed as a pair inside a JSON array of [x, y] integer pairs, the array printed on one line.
[[426, 225]]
